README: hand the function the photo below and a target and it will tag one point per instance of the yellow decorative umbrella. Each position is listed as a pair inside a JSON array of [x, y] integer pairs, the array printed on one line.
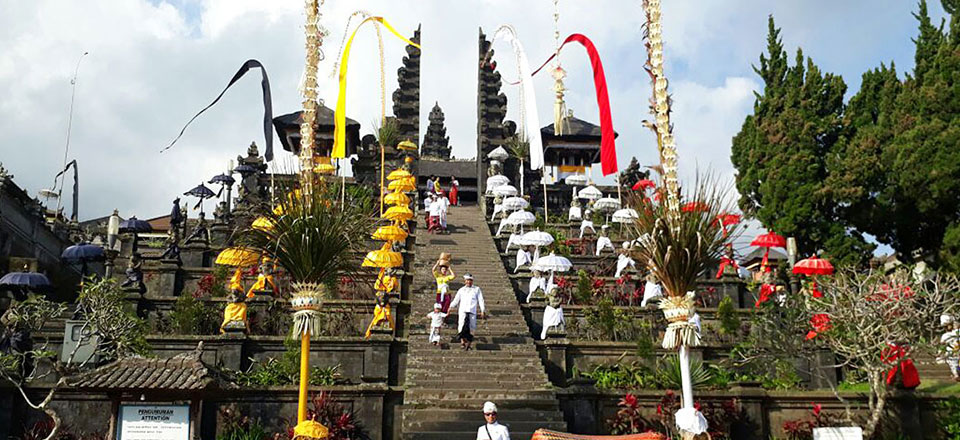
[[237, 256], [396, 198], [310, 429], [407, 145], [398, 214], [324, 168], [383, 258], [390, 233], [402, 185], [398, 174], [263, 223]]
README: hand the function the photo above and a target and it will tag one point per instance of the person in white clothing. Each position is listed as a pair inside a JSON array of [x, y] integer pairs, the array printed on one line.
[[469, 298], [492, 430], [436, 209], [603, 241], [951, 340], [436, 322], [444, 203]]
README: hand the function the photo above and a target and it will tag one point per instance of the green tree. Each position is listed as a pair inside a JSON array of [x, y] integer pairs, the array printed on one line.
[[781, 154], [897, 175]]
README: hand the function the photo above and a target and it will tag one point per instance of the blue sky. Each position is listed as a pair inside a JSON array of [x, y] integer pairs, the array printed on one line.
[[152, 64]]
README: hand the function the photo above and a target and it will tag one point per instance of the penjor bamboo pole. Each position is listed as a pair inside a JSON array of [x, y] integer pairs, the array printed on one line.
[[304, 376]]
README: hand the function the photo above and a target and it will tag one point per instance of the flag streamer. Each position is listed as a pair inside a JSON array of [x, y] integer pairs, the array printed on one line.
[[530, 120], [608, 149], [340, 118], [267, 106]]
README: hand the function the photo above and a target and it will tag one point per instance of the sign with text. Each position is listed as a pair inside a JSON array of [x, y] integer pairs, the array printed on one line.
[[847, 433], [154, 422]]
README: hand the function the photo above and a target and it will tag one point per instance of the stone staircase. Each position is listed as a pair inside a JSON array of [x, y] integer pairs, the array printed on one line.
[[446, 386]]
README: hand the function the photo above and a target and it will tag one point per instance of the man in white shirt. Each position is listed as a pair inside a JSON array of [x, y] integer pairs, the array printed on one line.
[[492, 430], [436, 208], [468, 298], [951, 341]]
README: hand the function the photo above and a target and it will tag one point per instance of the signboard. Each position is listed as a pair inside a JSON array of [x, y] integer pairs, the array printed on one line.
[[847, 433], [154, 422]]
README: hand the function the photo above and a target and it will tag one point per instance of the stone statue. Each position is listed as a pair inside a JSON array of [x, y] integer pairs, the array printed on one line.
[[381, 314], [200, 232], [134, 274], [264, 282], [172, 252], [494, 169], [235, 314]]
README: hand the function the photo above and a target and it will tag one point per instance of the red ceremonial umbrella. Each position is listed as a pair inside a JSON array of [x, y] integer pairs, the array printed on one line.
[[768, 240], [813, 266], [643, 184], [727, 220]]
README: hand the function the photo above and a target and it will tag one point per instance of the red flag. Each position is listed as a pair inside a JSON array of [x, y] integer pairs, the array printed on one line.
[[608, 148]]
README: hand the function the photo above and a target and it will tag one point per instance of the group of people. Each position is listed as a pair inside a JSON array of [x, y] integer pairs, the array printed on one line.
[[436, 202], [468, 302]]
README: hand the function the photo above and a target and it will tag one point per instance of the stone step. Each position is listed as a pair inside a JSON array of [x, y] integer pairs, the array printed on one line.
[[466, 435], [474, 398], [467, 385], [459, 429]]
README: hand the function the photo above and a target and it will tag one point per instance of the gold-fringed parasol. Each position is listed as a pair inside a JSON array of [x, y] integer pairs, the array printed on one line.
[[383, 258], [398, 214], [407, 145], [263, 224], [402, 185], [396, 198], [236, 256], [398, 174], [390, 233]]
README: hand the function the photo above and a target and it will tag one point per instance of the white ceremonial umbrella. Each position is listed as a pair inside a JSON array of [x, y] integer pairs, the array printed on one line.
[[552, 263], [626, 215], [515, 203], [505, 190], [521, 218], [497, 180], [536, 238], [590, 193], [607, 204], [576, 180], [498, 153]]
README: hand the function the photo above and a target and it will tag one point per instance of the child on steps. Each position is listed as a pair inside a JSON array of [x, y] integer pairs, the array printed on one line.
[[436, 321]]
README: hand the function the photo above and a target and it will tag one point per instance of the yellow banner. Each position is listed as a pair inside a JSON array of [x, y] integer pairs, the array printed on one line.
[[340, 115]]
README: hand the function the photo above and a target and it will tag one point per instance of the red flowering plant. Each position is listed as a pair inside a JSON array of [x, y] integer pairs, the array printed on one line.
[[721, 416], [213, 284], [802, 428], [341, 423], [629, 418]]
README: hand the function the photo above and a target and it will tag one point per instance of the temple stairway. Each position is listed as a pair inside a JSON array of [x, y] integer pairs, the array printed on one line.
[[446, 386]]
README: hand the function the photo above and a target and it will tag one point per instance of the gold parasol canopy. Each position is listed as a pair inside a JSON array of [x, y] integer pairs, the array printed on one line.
[[263, 224], [390, 233], [396, 198], [398, 174], [403, 185], [383, 258], [237, 256], [407, 145], [398, 214], [324, 168], [310, 430]]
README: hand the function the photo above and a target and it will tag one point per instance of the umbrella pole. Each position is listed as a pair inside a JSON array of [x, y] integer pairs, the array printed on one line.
[[619, 196], [521, 177], [343, 186], [546, 217], [382, 177]]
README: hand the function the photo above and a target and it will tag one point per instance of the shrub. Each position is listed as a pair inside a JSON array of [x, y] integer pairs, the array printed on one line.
[[191, 316], [668, 373], [285, 370], [728, 317]]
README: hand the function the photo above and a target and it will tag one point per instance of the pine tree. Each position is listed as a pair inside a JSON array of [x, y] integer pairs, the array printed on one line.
[[898, 175], [781, 154]]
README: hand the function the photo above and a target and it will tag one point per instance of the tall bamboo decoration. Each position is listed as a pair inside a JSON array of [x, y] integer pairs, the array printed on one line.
[[306, 299], [681, 334]]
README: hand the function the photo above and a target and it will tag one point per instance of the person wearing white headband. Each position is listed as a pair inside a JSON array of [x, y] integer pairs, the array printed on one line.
[[469, 298], [492, 430], [436, 322]]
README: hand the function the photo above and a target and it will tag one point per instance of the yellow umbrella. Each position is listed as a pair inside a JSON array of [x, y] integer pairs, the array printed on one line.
[[263, 223], [324, 168], [396, 198], [401, 185], [383, 258], [407, 145], [398, 214], [390, 233], [237, 256], [398, 174]]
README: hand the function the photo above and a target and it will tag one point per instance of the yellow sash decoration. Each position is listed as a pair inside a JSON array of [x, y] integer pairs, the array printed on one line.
[[340, 116]]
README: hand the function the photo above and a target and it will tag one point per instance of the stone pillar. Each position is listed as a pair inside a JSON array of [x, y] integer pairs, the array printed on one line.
[[219, 233], [195, 254], [376, 357], [556, 357], [750, 397], [167, 283]]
